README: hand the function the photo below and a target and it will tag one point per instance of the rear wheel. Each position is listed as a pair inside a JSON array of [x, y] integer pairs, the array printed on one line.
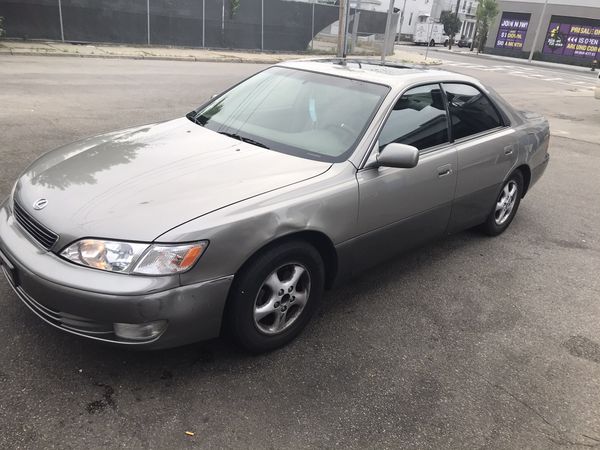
[[506, 206], [432, 43], [275, 295]]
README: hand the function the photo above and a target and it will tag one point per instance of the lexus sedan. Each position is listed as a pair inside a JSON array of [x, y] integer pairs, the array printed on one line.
[[235, 218]]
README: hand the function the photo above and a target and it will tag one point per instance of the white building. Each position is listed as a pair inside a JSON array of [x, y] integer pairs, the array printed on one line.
[[419, 11]]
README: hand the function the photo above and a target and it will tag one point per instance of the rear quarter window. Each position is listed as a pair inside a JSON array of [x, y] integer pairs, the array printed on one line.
[[471, 112]]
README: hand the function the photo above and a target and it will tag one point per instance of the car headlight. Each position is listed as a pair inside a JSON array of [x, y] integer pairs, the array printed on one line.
[[131, 257]]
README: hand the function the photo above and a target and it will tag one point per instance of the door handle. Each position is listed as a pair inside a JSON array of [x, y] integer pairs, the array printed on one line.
[[509, 149], [444, 170]]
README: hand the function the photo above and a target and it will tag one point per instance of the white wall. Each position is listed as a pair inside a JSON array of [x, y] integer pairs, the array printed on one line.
[[589, 3]]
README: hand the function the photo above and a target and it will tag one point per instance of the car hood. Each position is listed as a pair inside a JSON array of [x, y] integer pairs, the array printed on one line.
[[139, 183]]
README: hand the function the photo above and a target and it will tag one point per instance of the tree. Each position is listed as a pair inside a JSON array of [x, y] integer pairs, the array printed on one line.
[[1, 27], [451, 25], [486, 12], [234, 5]]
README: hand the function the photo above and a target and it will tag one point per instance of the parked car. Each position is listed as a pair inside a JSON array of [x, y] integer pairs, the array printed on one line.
[[236, 217], [464, 42]]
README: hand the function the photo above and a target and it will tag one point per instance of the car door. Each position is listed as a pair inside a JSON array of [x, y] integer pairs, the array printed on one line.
[[400, 208], [487, 150]]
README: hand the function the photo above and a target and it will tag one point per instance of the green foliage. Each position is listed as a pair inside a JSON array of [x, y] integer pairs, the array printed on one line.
[[234, 5], [486, 12], [451, 23], [1, 27]]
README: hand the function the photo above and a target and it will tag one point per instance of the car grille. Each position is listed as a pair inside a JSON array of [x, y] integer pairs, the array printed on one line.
[[39, 232]]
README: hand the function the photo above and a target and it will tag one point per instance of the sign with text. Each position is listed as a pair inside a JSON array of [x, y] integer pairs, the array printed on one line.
[[573, 37], [512, 30]]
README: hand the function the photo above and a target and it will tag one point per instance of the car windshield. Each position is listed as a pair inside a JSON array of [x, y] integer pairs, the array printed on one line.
[[302, 113]]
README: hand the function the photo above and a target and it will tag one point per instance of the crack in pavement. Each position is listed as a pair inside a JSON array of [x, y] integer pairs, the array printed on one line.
[[562, 439]]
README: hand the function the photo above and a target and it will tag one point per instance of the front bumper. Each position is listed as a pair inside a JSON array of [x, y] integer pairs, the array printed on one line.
[[87, 302]]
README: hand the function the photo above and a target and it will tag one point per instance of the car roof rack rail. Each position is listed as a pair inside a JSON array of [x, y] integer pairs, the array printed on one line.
[[366, 61]]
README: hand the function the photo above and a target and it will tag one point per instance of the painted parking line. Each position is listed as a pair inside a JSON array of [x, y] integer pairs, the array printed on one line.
[[532, 73]]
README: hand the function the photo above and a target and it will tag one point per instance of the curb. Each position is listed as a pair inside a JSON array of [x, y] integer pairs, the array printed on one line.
[[220, 58], [144, 57]]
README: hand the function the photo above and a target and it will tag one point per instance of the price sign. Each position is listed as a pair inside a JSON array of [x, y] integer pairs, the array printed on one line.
[[573, 37], [512, 30]]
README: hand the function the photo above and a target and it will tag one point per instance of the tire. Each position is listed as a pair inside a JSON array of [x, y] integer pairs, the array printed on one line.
[[500, 218], [266, 286], [432, 43]]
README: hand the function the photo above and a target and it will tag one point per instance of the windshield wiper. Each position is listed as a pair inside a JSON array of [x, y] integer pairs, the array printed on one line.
[[244, 139], [192, 116]]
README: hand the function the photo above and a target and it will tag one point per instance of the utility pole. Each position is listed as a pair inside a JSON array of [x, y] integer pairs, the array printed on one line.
[[402, 17], [341, 51], [537, 31], [347, 25], [355, 24], [388, 25]]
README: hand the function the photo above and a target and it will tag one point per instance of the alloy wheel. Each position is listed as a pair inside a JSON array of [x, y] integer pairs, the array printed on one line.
[[506, 202], [281, 298]]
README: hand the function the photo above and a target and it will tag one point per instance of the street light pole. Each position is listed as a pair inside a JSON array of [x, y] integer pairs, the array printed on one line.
[[62, 30], [537, 31], [402, 18], [388, 25], [346, 25]]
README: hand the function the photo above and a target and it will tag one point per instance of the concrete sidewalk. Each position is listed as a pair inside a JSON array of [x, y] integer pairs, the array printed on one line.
[[48, 48]]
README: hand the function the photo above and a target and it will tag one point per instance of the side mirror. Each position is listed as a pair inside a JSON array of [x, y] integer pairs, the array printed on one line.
[[398, 155]]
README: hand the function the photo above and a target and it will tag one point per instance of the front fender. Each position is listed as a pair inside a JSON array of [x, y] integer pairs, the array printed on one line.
[[327, 204]]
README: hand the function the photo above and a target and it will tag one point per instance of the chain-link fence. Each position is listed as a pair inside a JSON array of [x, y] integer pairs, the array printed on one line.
[[240, 24]]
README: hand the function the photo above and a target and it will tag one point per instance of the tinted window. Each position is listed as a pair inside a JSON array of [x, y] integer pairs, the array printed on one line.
[[471, 111], [418, 119]]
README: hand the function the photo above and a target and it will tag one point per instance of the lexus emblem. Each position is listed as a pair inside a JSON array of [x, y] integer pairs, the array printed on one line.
[[40, 204]]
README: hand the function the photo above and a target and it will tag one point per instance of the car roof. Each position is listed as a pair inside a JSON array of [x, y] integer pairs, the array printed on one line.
[[394, 75]]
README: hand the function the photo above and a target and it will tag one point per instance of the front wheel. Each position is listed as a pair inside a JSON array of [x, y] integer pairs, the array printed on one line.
[[506, 205], [275, 295]]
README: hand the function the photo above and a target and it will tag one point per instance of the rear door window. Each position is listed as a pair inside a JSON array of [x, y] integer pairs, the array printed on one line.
[[418, 119], [471, 112]]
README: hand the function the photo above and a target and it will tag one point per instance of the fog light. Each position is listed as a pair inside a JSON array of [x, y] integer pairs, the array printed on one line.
[[140, 331]]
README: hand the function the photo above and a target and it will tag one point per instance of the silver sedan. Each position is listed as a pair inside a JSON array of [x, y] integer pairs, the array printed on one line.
[[235, 218]]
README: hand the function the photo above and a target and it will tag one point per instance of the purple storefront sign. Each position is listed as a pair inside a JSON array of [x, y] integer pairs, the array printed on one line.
[[565, 38], [512, 30]]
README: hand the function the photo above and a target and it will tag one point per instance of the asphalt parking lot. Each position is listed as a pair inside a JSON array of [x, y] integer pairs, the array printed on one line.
[[469, 342]]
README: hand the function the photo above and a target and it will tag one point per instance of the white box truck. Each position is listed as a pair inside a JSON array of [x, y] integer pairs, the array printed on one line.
[[432, 33]]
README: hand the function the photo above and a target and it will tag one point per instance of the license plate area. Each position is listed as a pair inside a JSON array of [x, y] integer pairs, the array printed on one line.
[[10, 272]]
